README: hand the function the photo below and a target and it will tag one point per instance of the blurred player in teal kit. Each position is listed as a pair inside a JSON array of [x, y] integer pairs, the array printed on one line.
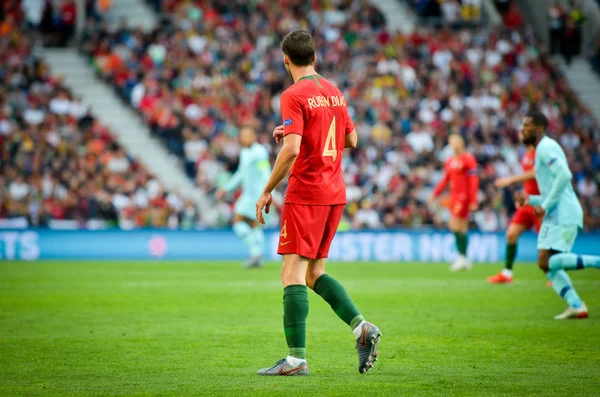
[[563, 215], [252, 174]]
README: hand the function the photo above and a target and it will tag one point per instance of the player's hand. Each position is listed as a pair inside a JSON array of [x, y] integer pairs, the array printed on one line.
[[473, 207], [264, 201], [539, 211], [503, 182], [278, 133], [521, 199], [431, 200], [220, 194]]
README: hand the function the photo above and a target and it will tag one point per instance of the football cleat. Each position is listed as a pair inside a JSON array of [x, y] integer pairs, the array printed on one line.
[[461, 263], [255, 261], [366, 347], [499, 278], [284, 368], [572, 313]]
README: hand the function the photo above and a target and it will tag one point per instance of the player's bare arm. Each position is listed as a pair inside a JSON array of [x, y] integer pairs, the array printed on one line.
[[351, 140], [522, 199], [283, 164], [278, 133], [438, 189], [512, 179]]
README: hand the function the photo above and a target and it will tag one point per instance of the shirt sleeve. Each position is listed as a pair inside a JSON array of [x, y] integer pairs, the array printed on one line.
[[473, 178], [442, 184], [555, 162], [292, 115]]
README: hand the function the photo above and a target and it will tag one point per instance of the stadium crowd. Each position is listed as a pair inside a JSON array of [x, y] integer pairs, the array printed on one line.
[[211, 68], [58, 163], [452, 12]]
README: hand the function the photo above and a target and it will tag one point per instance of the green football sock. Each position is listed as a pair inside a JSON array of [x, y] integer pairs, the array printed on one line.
[[334, 293], [511, 254], [461, 243], [295, 311]]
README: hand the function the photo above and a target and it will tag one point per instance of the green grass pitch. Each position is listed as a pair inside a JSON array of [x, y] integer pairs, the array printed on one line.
[[183, 328]]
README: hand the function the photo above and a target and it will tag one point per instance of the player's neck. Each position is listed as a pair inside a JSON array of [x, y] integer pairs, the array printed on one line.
[[539, 139], [303, 71]]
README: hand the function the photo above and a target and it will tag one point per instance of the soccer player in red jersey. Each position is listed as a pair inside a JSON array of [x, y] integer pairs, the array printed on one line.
[[524, 218], [460, 172], [316, 129]]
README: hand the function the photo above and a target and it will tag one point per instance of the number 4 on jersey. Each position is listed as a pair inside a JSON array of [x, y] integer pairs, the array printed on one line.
[[330, 148]]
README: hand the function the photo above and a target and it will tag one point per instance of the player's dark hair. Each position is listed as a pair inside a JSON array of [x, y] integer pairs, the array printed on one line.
[[299, 46], [539, 119]]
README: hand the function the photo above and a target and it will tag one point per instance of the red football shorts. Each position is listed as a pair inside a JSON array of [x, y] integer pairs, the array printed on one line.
[[308, 230], [527, 217], [459, 209]]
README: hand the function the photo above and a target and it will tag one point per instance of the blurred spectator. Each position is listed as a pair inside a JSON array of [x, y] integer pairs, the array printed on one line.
[[512, 17], [419, 139], [98, 9], [34, 11], [452, 12], [556, 21], [587, 187], [366, 217], [66, 25], [487, 220], [471, 10], [570, 44]]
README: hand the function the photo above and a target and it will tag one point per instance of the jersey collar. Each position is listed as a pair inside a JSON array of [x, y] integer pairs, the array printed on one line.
[[315, 77]]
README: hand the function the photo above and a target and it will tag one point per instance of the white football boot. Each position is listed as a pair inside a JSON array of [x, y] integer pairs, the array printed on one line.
[[461, 263], [572, 313]]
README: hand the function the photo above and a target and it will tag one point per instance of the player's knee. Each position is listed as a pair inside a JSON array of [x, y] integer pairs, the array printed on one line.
[[312, 276], [543, 264], [512, 236], [289, 277]]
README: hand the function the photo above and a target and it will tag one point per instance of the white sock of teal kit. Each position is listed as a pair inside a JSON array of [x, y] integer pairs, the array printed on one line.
[[244, 232], [573, 261], [258, 242], [561, 283]]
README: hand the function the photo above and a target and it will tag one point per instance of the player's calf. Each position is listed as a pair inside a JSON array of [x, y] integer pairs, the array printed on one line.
[[543, 260]]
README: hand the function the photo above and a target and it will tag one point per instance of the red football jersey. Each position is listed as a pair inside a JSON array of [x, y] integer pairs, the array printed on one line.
[[461, 173], [315, 109], [528, 164]]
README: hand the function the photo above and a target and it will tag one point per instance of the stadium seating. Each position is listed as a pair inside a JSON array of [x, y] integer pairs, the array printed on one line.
[[60, 167], [208, 70]]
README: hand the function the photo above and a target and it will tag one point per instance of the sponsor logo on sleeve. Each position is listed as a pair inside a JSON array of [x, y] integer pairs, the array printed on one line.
[[287, 122]]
